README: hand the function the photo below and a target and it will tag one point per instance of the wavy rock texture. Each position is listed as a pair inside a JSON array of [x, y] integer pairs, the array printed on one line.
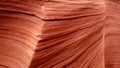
[[112, 37], [59, 34], [72, 37], [18, 34]]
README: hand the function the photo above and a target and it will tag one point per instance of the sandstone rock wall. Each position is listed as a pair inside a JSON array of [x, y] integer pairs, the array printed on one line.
[[59, 33]]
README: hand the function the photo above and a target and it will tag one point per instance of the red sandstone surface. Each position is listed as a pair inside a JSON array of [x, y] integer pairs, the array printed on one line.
[[59, 34]]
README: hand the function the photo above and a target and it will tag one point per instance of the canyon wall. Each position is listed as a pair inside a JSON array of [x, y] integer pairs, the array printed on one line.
[[72, 36], [18, 33], [59, 33], [112, 36]]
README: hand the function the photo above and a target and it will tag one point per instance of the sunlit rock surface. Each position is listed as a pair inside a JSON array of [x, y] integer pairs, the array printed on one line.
[[59, 33]]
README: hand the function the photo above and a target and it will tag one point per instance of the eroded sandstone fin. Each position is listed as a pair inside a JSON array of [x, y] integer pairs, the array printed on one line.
[[72, 36]]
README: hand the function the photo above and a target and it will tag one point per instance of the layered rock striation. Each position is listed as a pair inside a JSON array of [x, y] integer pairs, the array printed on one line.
[[59, 33]]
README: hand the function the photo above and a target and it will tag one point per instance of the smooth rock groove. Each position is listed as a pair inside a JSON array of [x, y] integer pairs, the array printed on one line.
[[59, 33]]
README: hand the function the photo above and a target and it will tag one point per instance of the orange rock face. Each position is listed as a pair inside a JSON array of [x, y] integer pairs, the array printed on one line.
[[59, 34]]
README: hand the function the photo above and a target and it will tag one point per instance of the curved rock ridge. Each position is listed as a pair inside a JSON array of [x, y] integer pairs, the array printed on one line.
[[54, 9], [65, 9], [72, 35]]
